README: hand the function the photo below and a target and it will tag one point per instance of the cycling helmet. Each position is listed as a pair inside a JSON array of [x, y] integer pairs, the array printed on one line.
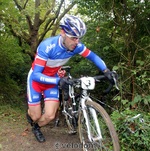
[[73, 26]]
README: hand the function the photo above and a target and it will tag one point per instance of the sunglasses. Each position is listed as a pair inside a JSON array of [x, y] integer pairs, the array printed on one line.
[[73, 37]]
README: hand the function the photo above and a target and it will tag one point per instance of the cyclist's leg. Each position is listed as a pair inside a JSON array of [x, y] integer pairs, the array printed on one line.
[[34, 111], [51, 99], [49, 112], [34, 105]]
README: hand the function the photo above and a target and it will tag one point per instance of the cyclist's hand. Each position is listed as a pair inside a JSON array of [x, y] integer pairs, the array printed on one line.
[[61, 73], [111, 76], [64, 83]]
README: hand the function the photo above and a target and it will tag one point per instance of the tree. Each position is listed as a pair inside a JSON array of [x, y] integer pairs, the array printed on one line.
[[124, 39], [30, 21], [24, 24]]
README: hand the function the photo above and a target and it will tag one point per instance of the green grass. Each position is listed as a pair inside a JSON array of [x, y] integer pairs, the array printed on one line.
[[9, 114]]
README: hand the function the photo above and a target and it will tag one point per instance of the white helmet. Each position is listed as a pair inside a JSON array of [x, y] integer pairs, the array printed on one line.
[[73, 26]]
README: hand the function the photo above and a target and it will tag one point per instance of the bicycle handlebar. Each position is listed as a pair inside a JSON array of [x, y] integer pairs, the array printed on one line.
[[97, 78], [66, 68], [102, 77]]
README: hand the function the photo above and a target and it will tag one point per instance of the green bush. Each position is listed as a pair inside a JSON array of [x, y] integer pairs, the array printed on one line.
[[133, 128], [14, 66]]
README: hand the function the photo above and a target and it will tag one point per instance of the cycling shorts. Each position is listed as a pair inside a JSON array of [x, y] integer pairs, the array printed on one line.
[[36, 90]]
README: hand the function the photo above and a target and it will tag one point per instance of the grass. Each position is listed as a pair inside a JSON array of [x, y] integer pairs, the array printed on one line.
[[11, 116]]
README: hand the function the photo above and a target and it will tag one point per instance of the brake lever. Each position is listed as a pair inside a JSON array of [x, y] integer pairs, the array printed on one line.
[[115, 81], [115, 77]]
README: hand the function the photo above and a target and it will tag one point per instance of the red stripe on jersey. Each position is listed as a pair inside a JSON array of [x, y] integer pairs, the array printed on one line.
[[39, 87], [85, 53], [40, 62], [50, 71]]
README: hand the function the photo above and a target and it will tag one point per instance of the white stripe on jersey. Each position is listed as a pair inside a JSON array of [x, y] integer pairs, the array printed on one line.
[[57, 62], [28, 85]]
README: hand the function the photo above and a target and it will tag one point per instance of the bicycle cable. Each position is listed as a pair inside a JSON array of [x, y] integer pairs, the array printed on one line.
[[104, 103]]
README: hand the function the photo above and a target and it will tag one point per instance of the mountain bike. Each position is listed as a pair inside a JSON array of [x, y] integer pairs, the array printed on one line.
[[87, 117]]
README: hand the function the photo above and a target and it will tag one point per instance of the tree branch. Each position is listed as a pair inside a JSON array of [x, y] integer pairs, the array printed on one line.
[[37, 16], [27, 16], [61, 16], [25, 4], [48, 11], [51, 21], [18, 6]]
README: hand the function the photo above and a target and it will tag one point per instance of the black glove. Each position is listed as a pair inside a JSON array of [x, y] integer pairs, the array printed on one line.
[[110, 75], [64, 83]]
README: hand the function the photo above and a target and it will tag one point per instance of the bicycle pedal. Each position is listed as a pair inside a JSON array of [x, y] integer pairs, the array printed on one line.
[[96, 139], [72, 132], [57, 123]]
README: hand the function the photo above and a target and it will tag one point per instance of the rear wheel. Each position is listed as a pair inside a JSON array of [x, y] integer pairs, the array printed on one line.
[[102, 132], [70, 118]]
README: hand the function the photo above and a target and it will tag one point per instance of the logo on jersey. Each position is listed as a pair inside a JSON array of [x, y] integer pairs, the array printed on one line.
[[48, 48], [58, 53]]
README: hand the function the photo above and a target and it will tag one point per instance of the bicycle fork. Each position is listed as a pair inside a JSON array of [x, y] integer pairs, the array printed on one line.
[[87, 120]]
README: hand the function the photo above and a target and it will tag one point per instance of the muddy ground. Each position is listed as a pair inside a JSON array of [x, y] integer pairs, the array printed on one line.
[[16, 135]]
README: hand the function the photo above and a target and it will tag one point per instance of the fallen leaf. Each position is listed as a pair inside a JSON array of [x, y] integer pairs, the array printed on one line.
[[24, 134]]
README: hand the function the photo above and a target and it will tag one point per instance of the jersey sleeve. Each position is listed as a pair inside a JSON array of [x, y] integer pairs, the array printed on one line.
[[94, 58], [39, 65], [97, 61]]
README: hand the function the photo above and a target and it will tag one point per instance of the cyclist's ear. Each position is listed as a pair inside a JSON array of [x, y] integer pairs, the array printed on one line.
[[62, 33]]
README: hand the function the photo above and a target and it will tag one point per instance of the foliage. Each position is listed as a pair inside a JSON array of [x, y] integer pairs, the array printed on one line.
[[31, 21], [133, 129], [13, 66], [24, 24], [119, 33]]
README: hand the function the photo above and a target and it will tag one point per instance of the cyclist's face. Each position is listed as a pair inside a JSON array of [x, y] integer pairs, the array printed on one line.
[[69, 42]]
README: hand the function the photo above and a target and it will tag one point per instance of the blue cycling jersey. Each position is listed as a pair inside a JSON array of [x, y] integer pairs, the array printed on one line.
[[51, 55]]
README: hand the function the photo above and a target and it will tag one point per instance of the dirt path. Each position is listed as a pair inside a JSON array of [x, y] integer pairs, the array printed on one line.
[[16, 135]]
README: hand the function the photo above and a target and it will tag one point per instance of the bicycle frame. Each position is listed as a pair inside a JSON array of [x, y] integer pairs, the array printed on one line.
[[88, 113], [82, 107]]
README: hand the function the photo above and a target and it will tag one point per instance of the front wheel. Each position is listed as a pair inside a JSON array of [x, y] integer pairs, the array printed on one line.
[[97, 133]]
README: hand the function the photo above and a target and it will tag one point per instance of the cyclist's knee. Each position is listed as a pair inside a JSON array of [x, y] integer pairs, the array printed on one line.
[[49, 116], [34, 114], [35, 117]]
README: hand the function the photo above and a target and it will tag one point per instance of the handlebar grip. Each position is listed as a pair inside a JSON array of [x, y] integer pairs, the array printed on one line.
[[102, 77], [65, 68], [108, 89], [97, 78]]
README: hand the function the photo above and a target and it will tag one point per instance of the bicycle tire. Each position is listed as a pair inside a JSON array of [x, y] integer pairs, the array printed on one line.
[[110, 141]]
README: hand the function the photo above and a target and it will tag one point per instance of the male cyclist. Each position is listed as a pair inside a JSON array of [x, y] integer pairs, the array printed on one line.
[[44, 76]]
